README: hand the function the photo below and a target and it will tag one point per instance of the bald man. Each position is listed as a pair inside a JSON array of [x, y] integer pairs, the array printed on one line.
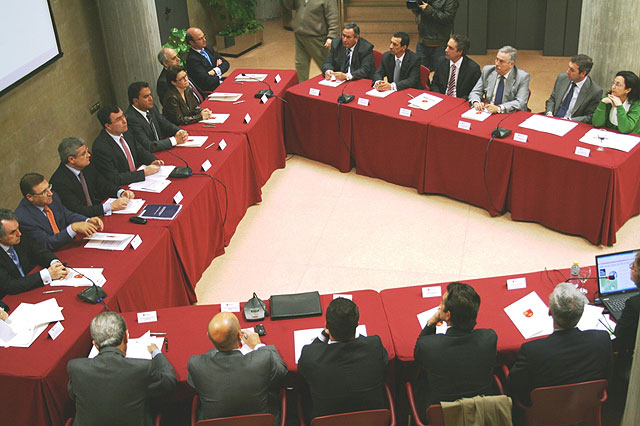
[[239, 376], [204, 65]]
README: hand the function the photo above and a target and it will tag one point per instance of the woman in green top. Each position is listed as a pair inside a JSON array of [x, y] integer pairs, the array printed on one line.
[[620, 109]]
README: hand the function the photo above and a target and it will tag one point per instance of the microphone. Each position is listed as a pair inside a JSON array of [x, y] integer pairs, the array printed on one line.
[[345, 99], [263, 92], [93, 294], [180, 172], [501, 132]]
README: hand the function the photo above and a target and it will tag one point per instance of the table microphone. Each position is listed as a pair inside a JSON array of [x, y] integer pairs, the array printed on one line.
[[263, 92], [93, 294], [345, 99], [180, 172]]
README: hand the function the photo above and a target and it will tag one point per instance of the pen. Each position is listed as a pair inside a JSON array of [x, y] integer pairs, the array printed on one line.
[[210, 145], [158, 334], [52, 291], [605, 326], [208, 125], [166, 344], [238, 82], [238, 102], [411, 96]]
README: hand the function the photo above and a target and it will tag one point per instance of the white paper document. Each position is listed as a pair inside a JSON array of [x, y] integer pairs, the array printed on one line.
[[163, 173], [304, 337], [592, 319], [610, 139], [109, 241], [132, 208], [472, 114], [150, 185], [331, 83], [78, 278], [216, 119], [424, 317], [378, 94], [224, 97], [250, 77], [530, 316], [542, 123], [137, 348], [194, 142], [28, 321], [424, 101]]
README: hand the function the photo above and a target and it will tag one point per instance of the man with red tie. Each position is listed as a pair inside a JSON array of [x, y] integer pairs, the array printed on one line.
[[117, 154], [45, 220]]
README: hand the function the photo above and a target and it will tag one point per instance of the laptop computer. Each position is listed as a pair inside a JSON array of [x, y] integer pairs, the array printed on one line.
[[614, 280]]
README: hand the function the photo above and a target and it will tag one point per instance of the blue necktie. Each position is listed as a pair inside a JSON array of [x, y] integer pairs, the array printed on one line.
[[499, 92], [14, 256], [206, 55], [564, 108]]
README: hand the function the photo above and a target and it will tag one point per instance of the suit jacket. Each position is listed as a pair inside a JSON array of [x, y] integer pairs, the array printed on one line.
[[111, 162], [588, 98], [232, 384], [565, 357], [177, 110], [141, 129], [162, 86], [627, 325], [35, 224], [113, 390], [68, 187], [516, 88], [468, 75], [454, 365], [344, 376], [198, 69], [362, 63], [409, 71], [29, 255]]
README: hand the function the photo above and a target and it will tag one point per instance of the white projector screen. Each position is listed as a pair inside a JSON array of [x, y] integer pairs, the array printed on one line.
[[29, 40]]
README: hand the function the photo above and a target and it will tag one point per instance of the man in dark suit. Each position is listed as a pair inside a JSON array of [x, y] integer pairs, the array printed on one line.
[[566, 356], [459, 363], [457, 73], [501, 87], [399, 68], [350, 57], [575, 96], [45, 220], [240, 376], [148, 126], [344, 372], [117, 152], [204, 65], [79, 185], [168, 57], [111, 389], [20, 255]]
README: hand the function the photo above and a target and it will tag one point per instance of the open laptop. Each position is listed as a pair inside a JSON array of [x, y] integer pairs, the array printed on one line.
[[614, 280]]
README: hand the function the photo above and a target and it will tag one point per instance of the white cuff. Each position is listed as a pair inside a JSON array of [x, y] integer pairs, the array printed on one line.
[[173, 141]]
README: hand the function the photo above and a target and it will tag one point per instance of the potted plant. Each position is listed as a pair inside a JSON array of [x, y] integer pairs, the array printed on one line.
[[242, 31], [177, 43]]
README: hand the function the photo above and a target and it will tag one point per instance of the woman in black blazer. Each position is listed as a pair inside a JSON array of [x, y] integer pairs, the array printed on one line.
[[180, 104]]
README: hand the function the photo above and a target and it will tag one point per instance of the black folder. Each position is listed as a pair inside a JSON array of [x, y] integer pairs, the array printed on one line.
[[297, 305]]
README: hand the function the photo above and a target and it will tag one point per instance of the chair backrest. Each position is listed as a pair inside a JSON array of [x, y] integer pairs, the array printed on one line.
[[358, 418], [567, 404], [377, 57], [424, 76], [247, 420]]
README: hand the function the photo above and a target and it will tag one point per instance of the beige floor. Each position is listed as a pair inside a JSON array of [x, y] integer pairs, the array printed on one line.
[[319, 229]]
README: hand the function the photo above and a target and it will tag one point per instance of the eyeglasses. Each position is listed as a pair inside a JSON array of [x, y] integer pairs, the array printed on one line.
[[39, 194]]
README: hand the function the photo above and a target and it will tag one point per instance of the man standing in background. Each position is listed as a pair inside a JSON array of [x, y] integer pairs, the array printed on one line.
[[434, 27]]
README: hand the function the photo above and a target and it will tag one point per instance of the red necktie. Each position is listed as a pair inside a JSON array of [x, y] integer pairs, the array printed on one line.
[[52, 220], [127, 153], [452, 81]]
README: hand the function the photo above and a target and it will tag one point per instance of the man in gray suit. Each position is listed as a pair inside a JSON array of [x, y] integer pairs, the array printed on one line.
[[111, 389], [575, 96], [502, 87], [240, 376]]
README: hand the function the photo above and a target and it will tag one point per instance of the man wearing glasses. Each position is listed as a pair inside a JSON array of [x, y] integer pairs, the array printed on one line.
[[45, 220], [204, 65]]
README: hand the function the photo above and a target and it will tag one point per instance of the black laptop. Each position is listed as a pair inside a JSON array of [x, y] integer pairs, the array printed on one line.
[[614, 280]]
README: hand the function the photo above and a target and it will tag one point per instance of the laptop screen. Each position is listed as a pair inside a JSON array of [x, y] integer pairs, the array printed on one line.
[[614, 274]]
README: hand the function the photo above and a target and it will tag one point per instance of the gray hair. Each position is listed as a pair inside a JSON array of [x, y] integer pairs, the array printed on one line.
[[566, 305], [108, 329], [5, 214], [162, 56], [511, 51], [69, 148]]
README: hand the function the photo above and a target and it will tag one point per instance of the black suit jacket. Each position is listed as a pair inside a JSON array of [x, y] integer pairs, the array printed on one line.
[[141, 129], [344, 376], [565, 357], [29, 255], [468, 75], [68, 187], [177, 110], [111, 162], [409, 71], [113, 390], [162, 85], [362, 62], [198, 69], [627, 325]]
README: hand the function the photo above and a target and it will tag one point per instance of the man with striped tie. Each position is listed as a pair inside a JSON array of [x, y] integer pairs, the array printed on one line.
[[204, 65], [399, 68], [456, 74]]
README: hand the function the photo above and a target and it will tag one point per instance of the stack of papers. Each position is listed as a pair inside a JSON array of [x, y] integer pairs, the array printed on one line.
[[472, 114], [153, 183], [424, 317], [224, 97], [531, 316], [250, 77], [216, 119], [194, 141], [542, 123], [610, 139], [78, 278], [378, 94], [109, 241], [305, 337], [424, 101], [137, 348], [132, 208], [593, 319], [331, 83], [27, 322]]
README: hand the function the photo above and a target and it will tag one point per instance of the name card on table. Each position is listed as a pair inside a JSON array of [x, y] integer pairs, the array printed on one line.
[[519, 137], [206, 165], [135, 242], [464, 125], [178, 197], [151, 316], [247, 118], [405, 112], [516, 283], [314, 92], [230, 307], [278, 78], [222, 145], [56, 330], [582, 151], [264, 99], [433, 291], [363, 101]]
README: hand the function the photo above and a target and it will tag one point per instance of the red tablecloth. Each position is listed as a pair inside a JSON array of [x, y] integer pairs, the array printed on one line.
[[402, 305]]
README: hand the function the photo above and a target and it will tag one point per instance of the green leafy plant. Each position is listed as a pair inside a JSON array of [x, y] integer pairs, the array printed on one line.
[[177, 43], [238, 15]]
